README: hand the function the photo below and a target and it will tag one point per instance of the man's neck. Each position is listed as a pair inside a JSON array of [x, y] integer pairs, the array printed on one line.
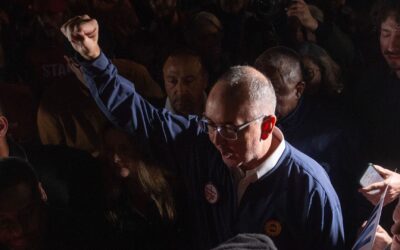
[[273, 144], [398, 74]]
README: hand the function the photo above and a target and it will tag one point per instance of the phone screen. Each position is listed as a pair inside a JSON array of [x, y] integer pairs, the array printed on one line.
[[370, 176]]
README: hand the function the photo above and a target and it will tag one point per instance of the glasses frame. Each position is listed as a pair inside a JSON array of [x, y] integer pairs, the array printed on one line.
[[234, 128]]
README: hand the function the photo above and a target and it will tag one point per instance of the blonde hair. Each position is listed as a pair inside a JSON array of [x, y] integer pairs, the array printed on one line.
[[152, 179]]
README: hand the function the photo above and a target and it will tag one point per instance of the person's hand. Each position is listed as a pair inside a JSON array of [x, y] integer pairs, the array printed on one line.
[[396, 236], [83, 34], [390, 178], [300, 10], [382, 239]]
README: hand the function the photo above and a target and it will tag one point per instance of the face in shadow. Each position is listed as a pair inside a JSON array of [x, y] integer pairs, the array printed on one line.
[[21, 217], [120, 153]]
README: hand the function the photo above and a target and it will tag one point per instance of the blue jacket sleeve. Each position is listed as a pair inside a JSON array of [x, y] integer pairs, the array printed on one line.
[[125, 108]]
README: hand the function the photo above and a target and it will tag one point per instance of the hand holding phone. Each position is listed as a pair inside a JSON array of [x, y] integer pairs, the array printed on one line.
[[374, 182]]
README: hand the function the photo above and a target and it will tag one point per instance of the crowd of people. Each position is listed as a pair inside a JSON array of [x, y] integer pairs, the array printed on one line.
[[183, 124]]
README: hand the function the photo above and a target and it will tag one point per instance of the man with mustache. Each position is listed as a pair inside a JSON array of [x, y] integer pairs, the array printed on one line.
[[390, 41], [377, 100]]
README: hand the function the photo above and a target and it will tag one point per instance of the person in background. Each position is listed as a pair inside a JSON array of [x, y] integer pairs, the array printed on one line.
[[22, 206], [310, 127], [185, 82], [27, 221], [376, 100], [204, 34], [323, 75], [140, 202], [324, 32]]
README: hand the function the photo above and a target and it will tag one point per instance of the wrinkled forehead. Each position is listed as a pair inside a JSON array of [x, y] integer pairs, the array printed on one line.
[[16, 197]]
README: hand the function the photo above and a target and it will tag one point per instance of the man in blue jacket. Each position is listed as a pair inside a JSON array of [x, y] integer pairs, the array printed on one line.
[[240, 174]]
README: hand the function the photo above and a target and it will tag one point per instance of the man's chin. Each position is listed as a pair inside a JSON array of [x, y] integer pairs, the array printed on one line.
[[394, 64]]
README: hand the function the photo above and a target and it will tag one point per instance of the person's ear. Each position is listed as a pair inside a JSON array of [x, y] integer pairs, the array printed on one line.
[[267, 126], [43, 195], [3, 126], [300, 86]]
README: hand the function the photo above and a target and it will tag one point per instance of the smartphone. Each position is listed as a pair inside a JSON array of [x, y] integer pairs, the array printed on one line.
[[370, 176]]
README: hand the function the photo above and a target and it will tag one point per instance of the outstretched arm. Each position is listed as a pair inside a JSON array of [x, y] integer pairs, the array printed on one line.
[[119, 101]]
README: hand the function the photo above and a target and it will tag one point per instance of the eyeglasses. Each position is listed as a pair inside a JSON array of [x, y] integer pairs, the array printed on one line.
[[227, 131]]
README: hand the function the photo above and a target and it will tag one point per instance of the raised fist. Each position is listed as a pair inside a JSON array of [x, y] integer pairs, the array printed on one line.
[[83, 34], [300, 9]]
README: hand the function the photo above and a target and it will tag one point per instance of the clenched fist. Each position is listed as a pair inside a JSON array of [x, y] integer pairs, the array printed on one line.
[[83, 34], [300, 9]]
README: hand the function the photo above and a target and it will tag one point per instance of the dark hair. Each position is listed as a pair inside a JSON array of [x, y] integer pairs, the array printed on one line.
[[283, 59], [386, 8], [197, 20], [330, 71], [184, 51], [14, 171]]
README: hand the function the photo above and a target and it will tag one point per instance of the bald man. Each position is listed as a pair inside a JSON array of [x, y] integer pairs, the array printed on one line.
[[240, 174]]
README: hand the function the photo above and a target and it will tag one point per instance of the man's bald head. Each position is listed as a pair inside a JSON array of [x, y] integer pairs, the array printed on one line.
[[284, 62], [241, 104], [246, 85]]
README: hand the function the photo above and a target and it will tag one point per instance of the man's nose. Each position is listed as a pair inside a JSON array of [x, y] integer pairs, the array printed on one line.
[[180, 88], [394, 43]]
